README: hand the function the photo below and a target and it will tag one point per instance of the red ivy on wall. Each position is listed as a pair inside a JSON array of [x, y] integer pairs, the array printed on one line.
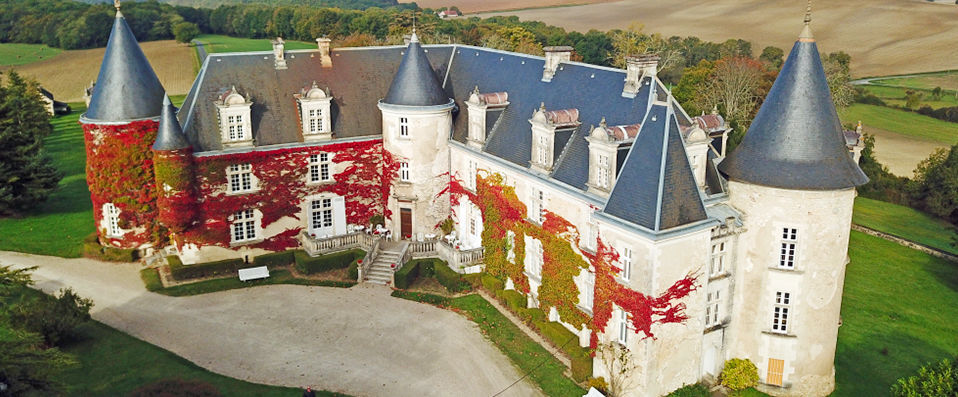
[[176, 198], [119, 170], [503, 212]]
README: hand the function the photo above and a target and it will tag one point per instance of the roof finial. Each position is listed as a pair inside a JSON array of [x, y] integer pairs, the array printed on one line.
[[116, 3], [414, 38], [603, 123], [808, 13], [806, 35]]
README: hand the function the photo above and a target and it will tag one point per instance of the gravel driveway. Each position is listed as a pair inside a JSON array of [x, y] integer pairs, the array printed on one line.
[[358, 341]]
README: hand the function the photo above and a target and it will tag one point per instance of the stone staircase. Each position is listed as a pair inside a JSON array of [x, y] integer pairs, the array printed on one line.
[[381, 271]]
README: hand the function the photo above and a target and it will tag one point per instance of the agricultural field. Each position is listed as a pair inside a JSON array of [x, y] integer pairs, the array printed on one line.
[[69, 73], [947, 80], [14, 54], [219, 43], [902, 138], [884, 37], [895, 96], [474, 6]]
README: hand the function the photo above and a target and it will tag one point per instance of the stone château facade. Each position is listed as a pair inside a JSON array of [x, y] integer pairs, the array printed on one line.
[[591, 189]]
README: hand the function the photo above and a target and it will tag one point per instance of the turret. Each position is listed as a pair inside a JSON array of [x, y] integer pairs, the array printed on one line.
[[417, 121], [794, 182], [173, 165], [119, 126]]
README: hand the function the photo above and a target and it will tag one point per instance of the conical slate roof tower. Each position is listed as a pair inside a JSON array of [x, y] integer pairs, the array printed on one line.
[[169, 136], [796, 141], [126, 89], [415, 83]]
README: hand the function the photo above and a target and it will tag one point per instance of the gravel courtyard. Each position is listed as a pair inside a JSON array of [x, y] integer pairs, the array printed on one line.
[[358, 341]]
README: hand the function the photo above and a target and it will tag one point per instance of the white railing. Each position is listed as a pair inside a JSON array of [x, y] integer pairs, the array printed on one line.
[[316, 246], [423, 249], [368, 260], [458, 259]]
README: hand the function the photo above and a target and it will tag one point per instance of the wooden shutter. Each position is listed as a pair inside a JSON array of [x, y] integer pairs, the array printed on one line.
[[776, 368]]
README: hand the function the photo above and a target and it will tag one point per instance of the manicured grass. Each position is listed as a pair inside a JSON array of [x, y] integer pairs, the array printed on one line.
[[896, 96], [899, 311], [902, 122], [58, 226], [113, 364], [13, 54], [151, 278], [947, 80], [525, 353], [220, 43], [905, 222]]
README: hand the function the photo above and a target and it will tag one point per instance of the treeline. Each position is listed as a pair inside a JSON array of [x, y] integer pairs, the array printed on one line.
[[350, 4]]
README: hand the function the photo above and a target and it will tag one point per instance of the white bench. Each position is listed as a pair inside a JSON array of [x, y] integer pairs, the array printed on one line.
[[253, 273]]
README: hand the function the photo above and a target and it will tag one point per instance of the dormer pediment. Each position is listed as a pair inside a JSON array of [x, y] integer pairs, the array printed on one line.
[[231, 97]]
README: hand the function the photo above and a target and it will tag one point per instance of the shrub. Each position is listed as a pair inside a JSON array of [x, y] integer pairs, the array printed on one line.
[[353, 270], [514, 299], [151, 279], [448, 277], [739, 374], [406, 275], [176, 388], [491, 283], [581, 365], [55, 318], [693, 390], [181, 272], [568, 342], [422, 297], [531, 315], [934, 380], [93, 249], [338, 260], [377, 220], [599, 383], [274, 260], [472, 279]]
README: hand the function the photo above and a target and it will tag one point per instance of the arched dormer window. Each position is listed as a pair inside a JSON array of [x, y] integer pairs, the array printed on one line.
[[314, 113], [236, 127]]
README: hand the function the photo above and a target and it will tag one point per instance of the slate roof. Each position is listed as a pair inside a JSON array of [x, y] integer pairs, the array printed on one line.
[[796, 140], [169, 135], [127, 88], [415, 83], [656, 188]]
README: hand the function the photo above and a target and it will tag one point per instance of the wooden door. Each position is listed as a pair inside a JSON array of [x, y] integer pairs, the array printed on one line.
[[775, 370], [405, 222]]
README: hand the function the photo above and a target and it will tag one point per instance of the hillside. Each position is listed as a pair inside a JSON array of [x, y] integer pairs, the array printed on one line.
[[351, 4]]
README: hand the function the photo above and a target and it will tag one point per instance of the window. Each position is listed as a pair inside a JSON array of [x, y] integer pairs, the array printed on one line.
[[789, 241], [321, 215], [403, 127], [404, 171], [111, 216], [472, 226], [602, 178], [776, 368], [592, 240], [471, 179], [315, 117], [537, 208], [625, 259], [244, 226], [623, 326], [319, 168], [535, 262], [543, 150], [234, 125], [717, 264], [589, 289], [712, 308], [240, 178], [780, 313]]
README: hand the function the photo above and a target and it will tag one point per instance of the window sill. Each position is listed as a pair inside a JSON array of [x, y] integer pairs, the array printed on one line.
[[785, 270], [242, 192], [719, 276], [246, 242], [715, 327], [320, 183], [232, 144], [533, 277], [584, 309], [779, 334]]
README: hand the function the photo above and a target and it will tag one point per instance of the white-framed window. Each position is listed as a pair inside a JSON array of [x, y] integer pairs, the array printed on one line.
[[319, 168], [321, 215], [471, 179], [244, 226], [712, 308], [472, 225], [316, 121], [404, 171], [404, 127], [543, 150], [603, 176], [780, 312], [625, 260], [535, 262], [537, 209], [240, 178], [623, 327], [589, 293], [789, 243], [111, 217], [511, 240], [592, 239], [235, 129], [717, 259]]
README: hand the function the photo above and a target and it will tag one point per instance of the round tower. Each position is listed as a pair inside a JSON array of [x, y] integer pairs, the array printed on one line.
[[417, 120], [173, 166], [794, 180], [119, 127]]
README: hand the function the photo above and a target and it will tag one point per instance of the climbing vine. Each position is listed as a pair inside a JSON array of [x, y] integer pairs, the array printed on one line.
[[176, 198]]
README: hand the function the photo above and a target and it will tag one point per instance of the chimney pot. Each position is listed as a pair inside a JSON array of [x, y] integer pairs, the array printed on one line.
[[324, 43], [554, 56], [279, 56], [637, 67]]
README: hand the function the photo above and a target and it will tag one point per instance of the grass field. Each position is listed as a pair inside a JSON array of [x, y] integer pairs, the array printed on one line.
[[14, 54], [947, 80], [896, 96], [152, 280], [902, 122], [905, 222], [899, 311], [220, 43]]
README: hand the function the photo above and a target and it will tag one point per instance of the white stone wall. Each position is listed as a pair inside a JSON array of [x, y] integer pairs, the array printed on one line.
[[823, 220]]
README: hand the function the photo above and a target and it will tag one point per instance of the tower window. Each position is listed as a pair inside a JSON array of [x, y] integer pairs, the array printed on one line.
[[111, 216], [244, 226], [319, 168], [712, 308], [404, 171], [602, 179], [543, 150], [780, 312], [537, 209], [789, 243], [625, 260], [404, 127], [717, 260], [240, 178]]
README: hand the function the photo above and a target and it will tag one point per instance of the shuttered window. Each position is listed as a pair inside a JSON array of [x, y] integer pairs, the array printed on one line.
[[776, 368]]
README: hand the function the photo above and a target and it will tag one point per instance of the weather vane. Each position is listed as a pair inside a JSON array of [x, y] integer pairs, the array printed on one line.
[[116, 3], [808, 13]]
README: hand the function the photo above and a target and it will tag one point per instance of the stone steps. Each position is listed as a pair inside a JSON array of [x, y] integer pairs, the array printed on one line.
[[381, 271]]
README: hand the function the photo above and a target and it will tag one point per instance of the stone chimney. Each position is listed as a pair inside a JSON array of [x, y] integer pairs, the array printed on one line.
[[279, 55], [637, 67], [325, 58], [554, 56]]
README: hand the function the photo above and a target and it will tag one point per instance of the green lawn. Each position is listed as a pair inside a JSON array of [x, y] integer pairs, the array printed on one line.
[[896, 96], [13, 54], [220, 43], [151, 279], [899, 311], [905, 222], [902, 122], [947, 80], [113, 363]]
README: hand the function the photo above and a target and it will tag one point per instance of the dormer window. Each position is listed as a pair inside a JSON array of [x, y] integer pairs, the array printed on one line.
[[478, 105], [605, 143], [314, 109], [404, 127], [236, 128], [550, 132]]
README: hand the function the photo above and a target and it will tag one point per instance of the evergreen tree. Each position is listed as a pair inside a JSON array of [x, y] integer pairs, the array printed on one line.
[[27, 176]]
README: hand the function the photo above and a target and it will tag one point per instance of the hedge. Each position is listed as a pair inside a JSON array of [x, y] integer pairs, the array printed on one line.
[[422, 297], [151, 279], [339, 260], [406, 275], [181, 272], [353, 270], [568, 342], [93, 249], [491, 283], [447, 277], [514, 299], [274, 260], [693, 390]]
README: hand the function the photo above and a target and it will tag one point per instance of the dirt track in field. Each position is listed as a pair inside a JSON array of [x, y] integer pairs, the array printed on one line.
[[900, 153], [472, 6], [69, 73], [883, 36]]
